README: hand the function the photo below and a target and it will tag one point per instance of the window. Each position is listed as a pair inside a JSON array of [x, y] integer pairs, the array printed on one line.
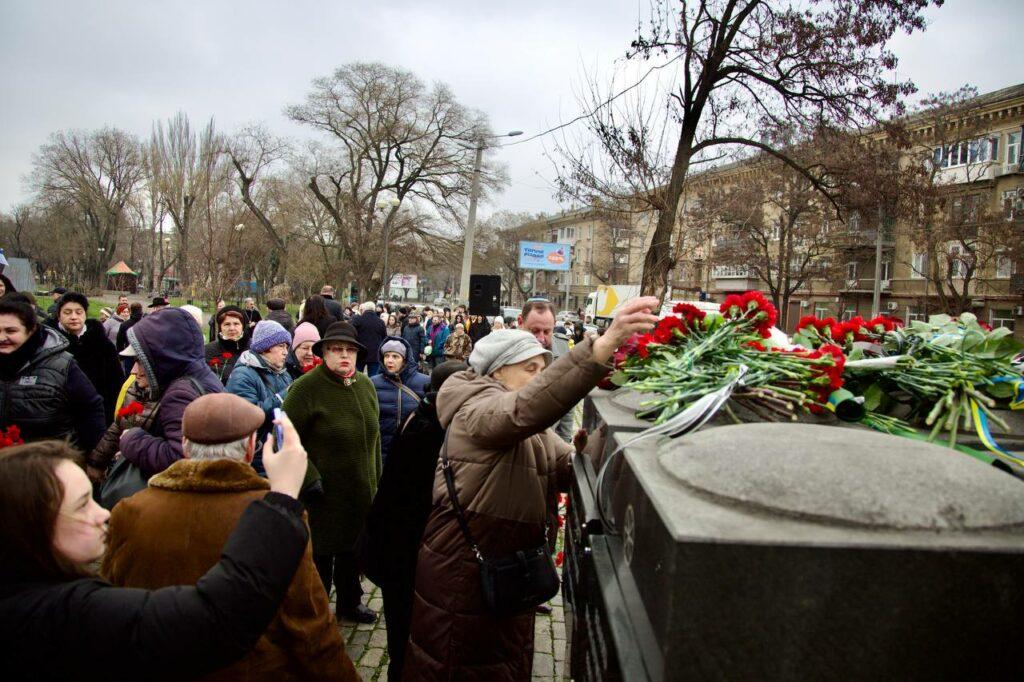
[[958, 260], [1013, 147], [1002, 317], [621, 258], [886, 270], [854, 221], [723, 271], [919, 265], [851, 270], [821, 310], [962, 153], [848, 314], [1004, 267], [1013, 203], [916, 313]]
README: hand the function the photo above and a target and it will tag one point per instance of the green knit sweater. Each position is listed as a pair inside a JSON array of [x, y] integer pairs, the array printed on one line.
[[340, 430]]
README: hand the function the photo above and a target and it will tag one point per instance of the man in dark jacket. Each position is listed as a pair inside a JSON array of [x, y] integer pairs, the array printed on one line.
[[371, 332], [399, 514], [91, 349], [277, 313], [168, 350], [333, 307], [414, 333]]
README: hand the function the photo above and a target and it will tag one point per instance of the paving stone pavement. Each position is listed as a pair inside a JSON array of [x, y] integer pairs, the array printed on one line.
[[367, 644]]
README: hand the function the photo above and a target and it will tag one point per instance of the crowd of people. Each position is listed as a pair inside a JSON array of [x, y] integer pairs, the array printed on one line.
[[142, 443]]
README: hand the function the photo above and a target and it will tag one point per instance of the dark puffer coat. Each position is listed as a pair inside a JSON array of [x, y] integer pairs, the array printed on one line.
[[87, 630], [46, 395], [394, 410], [416, 335], [221, 347], [371, 332], [97, 357], [169, 346], [508, 467]]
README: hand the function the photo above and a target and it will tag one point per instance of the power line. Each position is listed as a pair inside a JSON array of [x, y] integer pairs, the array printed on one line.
[[596, 109]]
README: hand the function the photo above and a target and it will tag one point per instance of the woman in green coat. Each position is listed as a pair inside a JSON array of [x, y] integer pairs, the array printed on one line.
[[334, 409]]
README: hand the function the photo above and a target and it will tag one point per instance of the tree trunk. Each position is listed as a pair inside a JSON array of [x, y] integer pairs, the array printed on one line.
[[658, 260]]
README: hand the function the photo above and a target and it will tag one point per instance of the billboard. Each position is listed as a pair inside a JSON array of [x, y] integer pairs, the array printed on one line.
[[403, 281], [545, 256]]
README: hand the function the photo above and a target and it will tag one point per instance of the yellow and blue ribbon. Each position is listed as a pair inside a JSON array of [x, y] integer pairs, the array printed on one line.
[[985, 434], [1017, 399]]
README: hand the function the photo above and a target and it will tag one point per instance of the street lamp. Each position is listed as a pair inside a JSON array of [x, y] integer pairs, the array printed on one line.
[[385, 284], [474, 192]]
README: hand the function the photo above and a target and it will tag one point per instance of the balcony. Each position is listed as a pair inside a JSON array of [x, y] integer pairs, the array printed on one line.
[[864, 238], [864, 285]]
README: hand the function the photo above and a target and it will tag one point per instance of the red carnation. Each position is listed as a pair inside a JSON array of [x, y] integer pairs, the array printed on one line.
[[227, 356], [559, 559], [214, 362], [130, 409], [807, 321], [12, 436], [754, 306], [641, 345], [691, 313], [665, 331], [14, 433]]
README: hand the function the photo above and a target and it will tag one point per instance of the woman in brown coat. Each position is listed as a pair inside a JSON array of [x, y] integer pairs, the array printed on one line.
[[507, 464]]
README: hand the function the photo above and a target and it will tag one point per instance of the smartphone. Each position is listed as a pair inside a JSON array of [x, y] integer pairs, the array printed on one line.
[[278, 430]]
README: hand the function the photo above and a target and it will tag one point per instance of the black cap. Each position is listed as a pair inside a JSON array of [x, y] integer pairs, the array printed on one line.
[[59, 290], [158, 301]]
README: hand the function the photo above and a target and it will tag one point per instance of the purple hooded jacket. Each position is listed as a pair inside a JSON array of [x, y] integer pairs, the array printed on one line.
[[169, 346]]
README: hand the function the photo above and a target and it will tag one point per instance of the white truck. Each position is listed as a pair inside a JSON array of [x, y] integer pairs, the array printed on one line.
[[606, 301]]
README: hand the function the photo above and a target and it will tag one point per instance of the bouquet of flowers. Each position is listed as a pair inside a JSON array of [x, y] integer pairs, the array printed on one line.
[[130, 415], [692, 353], [219, 364], [949, 373], [11, 436]]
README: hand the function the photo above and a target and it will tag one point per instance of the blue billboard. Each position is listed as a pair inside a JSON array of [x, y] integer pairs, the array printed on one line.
[[545, 256]]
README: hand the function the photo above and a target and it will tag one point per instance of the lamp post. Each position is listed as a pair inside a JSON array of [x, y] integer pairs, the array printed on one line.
[[474, 193], [385, 275]]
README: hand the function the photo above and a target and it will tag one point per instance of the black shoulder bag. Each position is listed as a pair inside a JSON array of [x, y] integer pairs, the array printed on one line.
[[511, 584]]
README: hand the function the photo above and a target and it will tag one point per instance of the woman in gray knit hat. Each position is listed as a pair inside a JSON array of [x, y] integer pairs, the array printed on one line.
[[508, 468]]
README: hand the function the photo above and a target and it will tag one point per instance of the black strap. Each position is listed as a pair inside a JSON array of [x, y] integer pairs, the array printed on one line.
[[402, 388], [453, 495]]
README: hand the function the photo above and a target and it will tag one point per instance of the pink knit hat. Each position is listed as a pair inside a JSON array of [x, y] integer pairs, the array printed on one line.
[[305, 332]]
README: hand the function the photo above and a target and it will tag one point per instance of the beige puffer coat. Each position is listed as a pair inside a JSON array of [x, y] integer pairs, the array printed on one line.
[[508, 466]]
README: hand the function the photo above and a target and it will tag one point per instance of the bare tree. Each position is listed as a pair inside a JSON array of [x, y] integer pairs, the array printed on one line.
[[180, 169], [90, 176], [774, 224], [395, 139], [254, 152], [749, 65]]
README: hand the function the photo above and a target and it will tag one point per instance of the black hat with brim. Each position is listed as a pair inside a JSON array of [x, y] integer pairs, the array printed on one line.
[[339, 331], [158, 301]]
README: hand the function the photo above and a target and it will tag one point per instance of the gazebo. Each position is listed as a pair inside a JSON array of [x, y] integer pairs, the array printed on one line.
[[122, 278]]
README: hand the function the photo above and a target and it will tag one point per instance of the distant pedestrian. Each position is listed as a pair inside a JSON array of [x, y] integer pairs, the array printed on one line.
[[394, 327], [222, 354], [459, 345], [252, 315], [212, 336], [92, 350], [261, 378], [438, 333], [301, 359], [400, 387], [134, 315], [333, 307], [315, 312], [277, 313], [415, 334], [481, 328], [371, 332], [113, 324]]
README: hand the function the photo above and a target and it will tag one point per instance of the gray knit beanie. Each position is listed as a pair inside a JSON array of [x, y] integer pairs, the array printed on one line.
[[505, 347]]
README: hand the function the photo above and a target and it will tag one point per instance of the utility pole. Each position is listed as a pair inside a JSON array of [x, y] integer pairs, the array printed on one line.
[[876, 299], [467, 249]]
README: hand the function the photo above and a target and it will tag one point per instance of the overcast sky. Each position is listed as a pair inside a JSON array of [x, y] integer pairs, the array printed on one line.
[[88, 63]]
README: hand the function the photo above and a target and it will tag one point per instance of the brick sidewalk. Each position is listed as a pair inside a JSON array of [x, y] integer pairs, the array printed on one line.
[[367, 644]]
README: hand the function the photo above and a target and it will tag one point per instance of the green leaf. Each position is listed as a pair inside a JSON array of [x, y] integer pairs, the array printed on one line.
[[873, 397], [619, 378], [1000, 390]]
